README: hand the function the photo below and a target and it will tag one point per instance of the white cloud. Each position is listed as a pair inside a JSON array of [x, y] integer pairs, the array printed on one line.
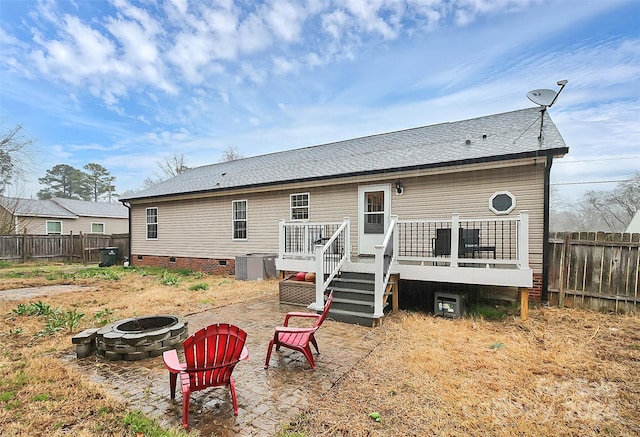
[[253, 34], [285, 19], [284, 66], [368, 16]]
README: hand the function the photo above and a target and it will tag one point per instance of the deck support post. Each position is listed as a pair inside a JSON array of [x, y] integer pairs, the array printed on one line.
[[394, 296], [524, 303]]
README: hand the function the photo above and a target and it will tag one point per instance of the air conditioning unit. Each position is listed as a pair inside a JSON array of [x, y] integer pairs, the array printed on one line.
[[450, 305], [255, 266]]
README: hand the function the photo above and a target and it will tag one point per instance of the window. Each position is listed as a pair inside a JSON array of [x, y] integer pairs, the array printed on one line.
[[239, 219], [374, 212], [152, 223], [502, 202], [54, 227], [97, 228], [300, 206]]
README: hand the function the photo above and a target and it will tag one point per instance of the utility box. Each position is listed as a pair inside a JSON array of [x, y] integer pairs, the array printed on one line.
[[450, 305], [108, 256], [256, 266]]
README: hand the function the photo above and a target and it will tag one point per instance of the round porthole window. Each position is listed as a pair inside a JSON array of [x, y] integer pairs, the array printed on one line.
[[502, 202]]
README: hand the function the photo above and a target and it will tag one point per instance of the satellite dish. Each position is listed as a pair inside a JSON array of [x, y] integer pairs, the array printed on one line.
[[545, 98], [542, 97]]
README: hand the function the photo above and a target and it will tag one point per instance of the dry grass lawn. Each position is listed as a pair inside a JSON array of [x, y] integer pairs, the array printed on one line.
[[563, 372]]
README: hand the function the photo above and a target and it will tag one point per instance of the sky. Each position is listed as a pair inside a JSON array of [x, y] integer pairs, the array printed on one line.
[[128, 84]]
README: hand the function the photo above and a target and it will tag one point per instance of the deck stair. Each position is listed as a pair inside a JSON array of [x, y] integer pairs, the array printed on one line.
[[353, 297]]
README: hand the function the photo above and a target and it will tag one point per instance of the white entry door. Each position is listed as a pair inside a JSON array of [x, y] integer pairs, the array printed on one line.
[[374, 209]]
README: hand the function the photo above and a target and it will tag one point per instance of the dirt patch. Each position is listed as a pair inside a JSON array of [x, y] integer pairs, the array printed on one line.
[[41, 292]]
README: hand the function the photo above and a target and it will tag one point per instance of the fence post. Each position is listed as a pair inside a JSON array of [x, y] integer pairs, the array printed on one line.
[[24, 246], [82, 244], [563, 257], [71, 251]]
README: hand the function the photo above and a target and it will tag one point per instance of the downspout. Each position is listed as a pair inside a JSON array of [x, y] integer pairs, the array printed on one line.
[[545, 233], [128, 206]]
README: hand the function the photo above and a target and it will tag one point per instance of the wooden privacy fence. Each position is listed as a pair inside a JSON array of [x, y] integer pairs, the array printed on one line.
[[595, 270], [84, 248]]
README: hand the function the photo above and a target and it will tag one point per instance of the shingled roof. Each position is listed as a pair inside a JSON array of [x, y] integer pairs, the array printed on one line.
[[63, 208], [93, 209], [496, 137], [35, 208]]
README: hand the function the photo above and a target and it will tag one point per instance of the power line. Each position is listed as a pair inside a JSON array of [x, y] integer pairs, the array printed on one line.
[[595, 160], [593, 182]]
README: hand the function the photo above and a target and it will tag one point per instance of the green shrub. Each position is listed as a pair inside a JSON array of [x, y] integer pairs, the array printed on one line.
[[137, 422], [103, 317], [199, 286], [33, 309], [489, 312], [169, 279]]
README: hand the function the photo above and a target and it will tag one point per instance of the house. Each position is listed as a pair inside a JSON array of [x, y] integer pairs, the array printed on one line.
[[377, 210], [634, 225], [61, 216]]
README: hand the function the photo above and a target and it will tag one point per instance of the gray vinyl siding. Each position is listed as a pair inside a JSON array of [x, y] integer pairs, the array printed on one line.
[[202, 227], [468, 193], [38, 225]]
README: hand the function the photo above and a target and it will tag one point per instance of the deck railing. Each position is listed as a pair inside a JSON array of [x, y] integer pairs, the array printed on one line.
[[385, 256], [330, 257], [455, 242], [326, 243], [479, 242], [299, 240]]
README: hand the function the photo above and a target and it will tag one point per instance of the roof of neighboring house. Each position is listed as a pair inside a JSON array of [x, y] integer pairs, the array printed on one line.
[[496, 137], [62, 208], [35, 208], [93, 209], [634, 225]]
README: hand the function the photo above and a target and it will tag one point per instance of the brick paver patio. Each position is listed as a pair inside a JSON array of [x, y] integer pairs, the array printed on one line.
[[267, 399]]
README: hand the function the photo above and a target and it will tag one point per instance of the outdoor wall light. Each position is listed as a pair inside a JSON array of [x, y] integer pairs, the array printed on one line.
[[399, 187]]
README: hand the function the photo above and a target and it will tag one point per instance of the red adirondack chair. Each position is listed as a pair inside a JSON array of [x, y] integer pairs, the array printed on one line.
[[298, 339], [210, 357]]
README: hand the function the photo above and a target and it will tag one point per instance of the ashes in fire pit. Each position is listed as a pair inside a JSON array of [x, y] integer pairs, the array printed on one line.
[[141, 337]]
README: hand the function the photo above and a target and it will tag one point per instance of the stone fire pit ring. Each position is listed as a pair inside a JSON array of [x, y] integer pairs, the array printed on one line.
[[140, 337]]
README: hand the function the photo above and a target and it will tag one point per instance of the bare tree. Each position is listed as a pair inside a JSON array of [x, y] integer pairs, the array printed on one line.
[[15, 157], [231, 153], [170, 167], [610, 211]]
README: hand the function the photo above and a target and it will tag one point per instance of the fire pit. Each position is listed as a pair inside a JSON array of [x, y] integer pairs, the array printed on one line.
[[140, 337]]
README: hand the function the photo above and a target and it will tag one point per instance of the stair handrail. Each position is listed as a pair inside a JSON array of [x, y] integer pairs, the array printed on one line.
[[385, 256], [332, 265]]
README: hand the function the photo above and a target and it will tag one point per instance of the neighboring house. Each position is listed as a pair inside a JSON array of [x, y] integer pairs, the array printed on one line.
[[634, 225], [385, 205], [62, 216]]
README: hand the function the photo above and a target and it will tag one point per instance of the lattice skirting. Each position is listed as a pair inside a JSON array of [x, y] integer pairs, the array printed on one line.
[[297, 292]]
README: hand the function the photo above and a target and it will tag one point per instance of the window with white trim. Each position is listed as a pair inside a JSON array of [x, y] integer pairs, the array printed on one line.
[[54, 227], [300, 206], [502, 202], [97, 228], [152, 223], [239, 219]]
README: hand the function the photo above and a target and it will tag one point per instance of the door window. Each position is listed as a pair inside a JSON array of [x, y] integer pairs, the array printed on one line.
[[374, 212]]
